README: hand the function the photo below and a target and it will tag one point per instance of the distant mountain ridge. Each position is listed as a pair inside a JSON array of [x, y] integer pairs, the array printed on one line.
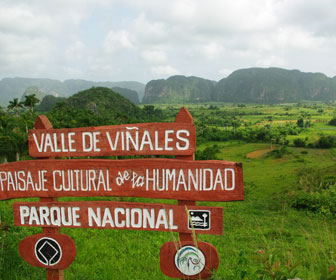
[[275, 85], [252, 85], [179, 89], [15, 87]]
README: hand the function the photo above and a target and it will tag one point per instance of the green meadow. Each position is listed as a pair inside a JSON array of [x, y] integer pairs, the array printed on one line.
[[284, 229]]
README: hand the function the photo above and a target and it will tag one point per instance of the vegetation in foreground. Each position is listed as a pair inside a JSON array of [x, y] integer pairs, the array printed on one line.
[[284, 229]]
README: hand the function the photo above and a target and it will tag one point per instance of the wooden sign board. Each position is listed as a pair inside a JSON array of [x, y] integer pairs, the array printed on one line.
[[55, 251], [120, 215], [117, 140], [153, 178], [187, 260]]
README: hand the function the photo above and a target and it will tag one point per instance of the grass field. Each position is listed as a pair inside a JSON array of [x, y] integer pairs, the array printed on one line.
[[264, 237]]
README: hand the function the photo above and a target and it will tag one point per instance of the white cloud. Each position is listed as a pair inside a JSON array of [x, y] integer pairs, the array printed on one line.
[[212, 50], [164, 71], [224, 72], [22, 21], [183, 10], [75, 51], [18, 53], [149, 32], [118, 40], [145, 39], [271, 61], [154, 56]]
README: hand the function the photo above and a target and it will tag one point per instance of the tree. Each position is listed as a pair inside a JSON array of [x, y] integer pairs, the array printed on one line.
[[332, 121], [15, 105], [31, 101], [300, 122], [299, 142], [326, 142], [152, 113]]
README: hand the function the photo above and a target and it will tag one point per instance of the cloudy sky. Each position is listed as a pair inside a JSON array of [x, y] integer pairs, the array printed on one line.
[[149, 39]]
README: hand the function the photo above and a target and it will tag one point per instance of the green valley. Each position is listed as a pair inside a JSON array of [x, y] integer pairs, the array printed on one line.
[[284, 229]]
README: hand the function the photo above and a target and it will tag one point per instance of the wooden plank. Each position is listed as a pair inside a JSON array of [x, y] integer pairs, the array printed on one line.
[[42, 122], [117, 140], [120, 215], [51, 251], [188, 259], [185, 116], [153, 178]]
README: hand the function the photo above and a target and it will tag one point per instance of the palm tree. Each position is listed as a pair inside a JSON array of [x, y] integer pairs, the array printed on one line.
[[31, 101], [15, 105]]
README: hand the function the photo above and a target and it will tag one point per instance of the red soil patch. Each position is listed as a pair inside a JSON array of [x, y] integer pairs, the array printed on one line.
[[258, 153]]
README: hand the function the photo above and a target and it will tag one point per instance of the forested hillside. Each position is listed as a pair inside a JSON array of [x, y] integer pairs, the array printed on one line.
[[131, 95], [253, 85], [95, 106], [16, 87], [179, 89], [275, 85]]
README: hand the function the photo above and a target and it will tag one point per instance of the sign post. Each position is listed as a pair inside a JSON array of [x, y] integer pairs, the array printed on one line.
[[42, 122], [182, 117], [182, 179]]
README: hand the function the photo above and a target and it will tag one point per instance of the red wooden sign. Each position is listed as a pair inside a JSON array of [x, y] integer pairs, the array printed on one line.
[[187, 260], [182, 178], [120, 215], [56, 251], [153, 178], [129, 139]]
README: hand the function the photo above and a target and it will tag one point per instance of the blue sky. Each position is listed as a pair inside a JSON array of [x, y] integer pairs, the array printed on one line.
[[150, 39]]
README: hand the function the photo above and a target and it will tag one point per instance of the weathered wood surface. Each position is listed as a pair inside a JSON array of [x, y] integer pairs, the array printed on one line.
[[42, 122], [153, 178], [40, 250], [174, 261], [120, 215], [176, 138]]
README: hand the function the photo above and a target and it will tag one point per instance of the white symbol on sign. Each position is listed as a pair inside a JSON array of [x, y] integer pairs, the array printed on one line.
[[189, 260], [199, 219], [48, 251]]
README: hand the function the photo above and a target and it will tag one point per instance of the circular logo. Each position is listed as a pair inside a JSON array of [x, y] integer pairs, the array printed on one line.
[[48, 251], [189, 260]]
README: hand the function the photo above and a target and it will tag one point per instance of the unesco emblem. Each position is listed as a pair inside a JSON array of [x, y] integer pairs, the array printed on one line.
[[48, 251], [199, 219], [189, 260]]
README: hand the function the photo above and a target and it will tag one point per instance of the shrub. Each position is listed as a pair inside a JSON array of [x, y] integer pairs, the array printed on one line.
[[323, 202], [317, 192], [326, 142], [332, 121], [313, 180], [279, 153], [299, 142], [300, 122], [208, 153]]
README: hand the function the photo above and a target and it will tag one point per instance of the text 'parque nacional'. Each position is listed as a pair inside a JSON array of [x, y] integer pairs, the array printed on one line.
[[119, 215]]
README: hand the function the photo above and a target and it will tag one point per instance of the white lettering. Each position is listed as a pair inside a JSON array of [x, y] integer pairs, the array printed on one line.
[[39, 147], [183, 139], [93, 216], [168, 140], [233, 183], [24, 213]]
